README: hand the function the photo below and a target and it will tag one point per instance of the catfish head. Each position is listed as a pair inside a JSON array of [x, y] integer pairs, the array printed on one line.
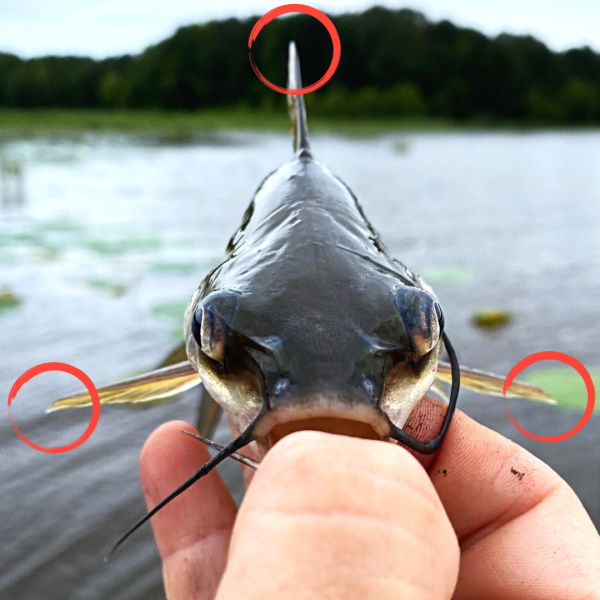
[[351, 358]]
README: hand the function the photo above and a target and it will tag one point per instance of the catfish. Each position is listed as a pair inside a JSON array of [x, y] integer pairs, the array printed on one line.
[[308, 323]]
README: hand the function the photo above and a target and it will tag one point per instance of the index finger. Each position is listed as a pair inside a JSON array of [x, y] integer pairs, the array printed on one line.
[[192, 532], [522, 530]]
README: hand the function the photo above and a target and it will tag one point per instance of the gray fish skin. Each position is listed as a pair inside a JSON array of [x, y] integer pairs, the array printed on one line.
[[316, 329], [308, 318]]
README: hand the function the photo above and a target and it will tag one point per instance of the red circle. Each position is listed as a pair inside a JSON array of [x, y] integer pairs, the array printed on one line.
[[568, 360], [307, 10], [71, 370]]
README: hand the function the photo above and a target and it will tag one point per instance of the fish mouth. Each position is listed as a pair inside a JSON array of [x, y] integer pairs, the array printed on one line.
[[339, 426], [332, 416]]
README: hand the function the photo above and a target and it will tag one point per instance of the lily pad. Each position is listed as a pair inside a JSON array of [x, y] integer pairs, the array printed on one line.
[[59, 225], [564, 385], [49, 253], [400, 146], [24, 238], [490, 317], [115, 288], [8, 299], [121, 243]]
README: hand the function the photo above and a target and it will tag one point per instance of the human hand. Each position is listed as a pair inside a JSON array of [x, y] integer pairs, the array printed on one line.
[[335, 517]]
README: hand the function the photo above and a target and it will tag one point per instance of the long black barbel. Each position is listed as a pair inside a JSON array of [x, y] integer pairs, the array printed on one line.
[[246, 437], [432, 445], [245, 460], [242, 440]]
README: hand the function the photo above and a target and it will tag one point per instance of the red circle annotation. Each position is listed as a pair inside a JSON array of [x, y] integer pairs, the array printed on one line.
[[568, 360], [307, 10], [71, 370]]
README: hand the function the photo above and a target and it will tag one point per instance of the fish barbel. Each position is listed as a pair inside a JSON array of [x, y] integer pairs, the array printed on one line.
[[308, 323]]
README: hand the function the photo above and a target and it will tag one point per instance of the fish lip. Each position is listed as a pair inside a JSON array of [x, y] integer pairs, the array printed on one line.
[[324, 409]]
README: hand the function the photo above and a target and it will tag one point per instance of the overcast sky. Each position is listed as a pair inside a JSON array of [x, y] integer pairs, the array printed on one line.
[[110, 27]]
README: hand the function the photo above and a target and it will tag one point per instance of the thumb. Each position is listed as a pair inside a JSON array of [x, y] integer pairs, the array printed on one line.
[[329, 516]]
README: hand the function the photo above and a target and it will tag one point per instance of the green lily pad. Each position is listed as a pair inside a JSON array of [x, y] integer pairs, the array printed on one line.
[[115, 288], [124, 244], [8, 299], [400, 146], [24, 238], [60, 225], [564, 385], [49, 253], [490, 317]]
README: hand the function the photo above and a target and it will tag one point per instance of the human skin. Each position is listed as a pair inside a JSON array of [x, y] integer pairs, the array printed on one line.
[[330, 517]]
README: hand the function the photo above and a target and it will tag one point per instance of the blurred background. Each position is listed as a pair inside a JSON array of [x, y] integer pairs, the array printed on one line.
[[132, 137]]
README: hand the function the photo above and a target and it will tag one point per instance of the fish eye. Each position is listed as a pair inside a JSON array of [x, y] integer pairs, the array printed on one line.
[[210, 334], [422, 318], [210, 323]]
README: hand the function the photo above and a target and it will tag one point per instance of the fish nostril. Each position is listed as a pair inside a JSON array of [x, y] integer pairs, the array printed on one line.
[[281, 386]]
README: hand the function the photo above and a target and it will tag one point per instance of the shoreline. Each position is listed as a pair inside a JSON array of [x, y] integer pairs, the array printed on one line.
[[181, 124]]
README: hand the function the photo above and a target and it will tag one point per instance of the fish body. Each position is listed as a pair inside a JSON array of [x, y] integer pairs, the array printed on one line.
[[316, 310], [317, 323]]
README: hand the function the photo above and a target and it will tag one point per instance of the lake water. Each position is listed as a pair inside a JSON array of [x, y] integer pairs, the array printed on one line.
[[103, 238]]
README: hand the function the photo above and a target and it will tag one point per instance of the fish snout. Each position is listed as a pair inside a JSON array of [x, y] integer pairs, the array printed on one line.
[[338, 413]]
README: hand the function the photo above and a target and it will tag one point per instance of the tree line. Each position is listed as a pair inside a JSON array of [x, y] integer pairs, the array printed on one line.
[[394, 63]]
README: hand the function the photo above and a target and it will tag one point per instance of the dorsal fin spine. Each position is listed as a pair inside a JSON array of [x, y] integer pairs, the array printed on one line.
[[296, 107]]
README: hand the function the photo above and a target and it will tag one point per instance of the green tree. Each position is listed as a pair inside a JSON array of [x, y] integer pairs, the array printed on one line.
[[579, 101], [113, 89], [394, 62]]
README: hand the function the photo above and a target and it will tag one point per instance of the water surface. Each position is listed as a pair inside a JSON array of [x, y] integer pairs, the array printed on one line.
[[110, 234]]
